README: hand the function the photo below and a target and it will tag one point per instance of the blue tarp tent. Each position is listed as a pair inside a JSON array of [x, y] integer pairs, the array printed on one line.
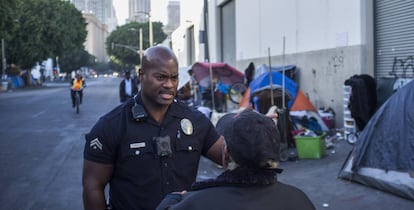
[[262, 81], [16, 81]]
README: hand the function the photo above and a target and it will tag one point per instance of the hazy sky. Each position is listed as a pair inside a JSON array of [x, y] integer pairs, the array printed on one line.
[[158, 10]]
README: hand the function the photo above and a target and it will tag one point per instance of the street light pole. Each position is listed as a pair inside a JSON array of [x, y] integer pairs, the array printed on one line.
[[140, 46], [150, 31]]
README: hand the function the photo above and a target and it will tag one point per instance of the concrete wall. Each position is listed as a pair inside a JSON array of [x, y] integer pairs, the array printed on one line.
[[320, 74], [328, 40], [307, 25], [321, 37]]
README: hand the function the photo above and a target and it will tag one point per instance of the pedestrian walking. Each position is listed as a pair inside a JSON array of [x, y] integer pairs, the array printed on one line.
[[128, 87]]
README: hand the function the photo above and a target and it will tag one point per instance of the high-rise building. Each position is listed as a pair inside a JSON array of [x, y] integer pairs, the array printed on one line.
[[173, 17], [111, 20], [102, 9], [139, 10], [101, 20]]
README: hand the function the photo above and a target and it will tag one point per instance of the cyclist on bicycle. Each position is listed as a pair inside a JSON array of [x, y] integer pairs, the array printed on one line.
[[77, 85]]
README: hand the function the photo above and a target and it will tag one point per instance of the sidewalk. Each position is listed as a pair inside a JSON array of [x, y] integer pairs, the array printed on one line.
[[318, 178], [9, 87]]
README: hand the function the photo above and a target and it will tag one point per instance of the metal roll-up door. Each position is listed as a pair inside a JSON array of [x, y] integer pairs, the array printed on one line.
[[394, 38]]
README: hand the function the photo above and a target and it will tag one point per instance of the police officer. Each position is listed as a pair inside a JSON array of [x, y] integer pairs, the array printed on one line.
[[148, 146]]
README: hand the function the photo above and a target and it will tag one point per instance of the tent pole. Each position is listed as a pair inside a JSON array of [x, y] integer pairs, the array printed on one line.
[[284, 145], [212, 87], [272, 101], [283, 73]]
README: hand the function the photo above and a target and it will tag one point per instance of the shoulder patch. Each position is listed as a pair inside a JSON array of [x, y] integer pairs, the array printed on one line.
[[96, 144]]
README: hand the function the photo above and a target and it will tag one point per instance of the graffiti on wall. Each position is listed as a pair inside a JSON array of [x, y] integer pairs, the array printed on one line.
[[403, 67], [337, 61]]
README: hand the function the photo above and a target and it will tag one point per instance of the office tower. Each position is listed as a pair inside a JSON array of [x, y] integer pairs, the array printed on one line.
[[173, 16], [139, 10], [102, 9]]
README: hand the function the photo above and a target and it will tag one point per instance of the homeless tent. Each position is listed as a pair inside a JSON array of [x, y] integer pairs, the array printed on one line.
[[259, 94], [261, 84], [383, 156], [215, 79], [299, 107]]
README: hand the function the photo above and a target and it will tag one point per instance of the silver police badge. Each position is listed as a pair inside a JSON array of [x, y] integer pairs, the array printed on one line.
[[186, 126]]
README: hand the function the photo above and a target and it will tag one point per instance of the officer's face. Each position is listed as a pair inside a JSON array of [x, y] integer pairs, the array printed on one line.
[[159, 83]]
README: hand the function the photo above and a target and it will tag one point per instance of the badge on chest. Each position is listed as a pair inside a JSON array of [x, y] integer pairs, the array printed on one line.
[[186, 126]]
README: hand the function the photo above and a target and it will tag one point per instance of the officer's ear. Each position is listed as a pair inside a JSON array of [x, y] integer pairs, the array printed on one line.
[[140, 73]]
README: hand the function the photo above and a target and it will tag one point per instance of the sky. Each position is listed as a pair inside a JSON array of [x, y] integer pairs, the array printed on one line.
[[158, 10]]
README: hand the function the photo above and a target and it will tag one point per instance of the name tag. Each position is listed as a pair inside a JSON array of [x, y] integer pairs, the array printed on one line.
[[137, 145]]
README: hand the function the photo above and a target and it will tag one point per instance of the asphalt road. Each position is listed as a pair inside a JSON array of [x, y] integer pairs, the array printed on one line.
[[41, 146]]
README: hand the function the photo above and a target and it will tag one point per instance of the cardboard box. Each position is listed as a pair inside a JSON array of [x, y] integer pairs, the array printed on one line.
[[310, 147]]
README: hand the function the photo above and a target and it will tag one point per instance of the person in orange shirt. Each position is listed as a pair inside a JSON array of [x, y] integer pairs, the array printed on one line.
[[77, 85]]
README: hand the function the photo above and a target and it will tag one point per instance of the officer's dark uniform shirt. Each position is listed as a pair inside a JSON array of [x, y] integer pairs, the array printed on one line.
[[141, 178]]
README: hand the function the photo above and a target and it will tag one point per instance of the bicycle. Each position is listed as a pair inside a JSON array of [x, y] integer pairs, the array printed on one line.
[[224, 92], [236, 92], [77, 99]]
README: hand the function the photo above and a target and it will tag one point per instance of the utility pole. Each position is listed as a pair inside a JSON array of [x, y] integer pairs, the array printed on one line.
[[3, 54], [140, 46], [150, 31], [151, 38]]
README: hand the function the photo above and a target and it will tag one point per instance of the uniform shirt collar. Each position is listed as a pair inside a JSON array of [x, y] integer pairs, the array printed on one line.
[[173, 109]]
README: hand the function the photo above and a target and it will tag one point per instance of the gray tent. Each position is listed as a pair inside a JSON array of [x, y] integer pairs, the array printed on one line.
[[383, 156]]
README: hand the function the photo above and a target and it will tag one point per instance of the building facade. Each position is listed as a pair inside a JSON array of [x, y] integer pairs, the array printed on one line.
[[139, 11], [173, 17], [102, 9], [95, 40], [329, 41], [101, 19]]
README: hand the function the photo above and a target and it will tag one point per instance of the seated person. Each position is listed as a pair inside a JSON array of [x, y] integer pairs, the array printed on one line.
[[250, 182], [185, 96]]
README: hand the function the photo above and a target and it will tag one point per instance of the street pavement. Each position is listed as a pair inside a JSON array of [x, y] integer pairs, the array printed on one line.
[[318, 178], [41, 143], [42, 140]]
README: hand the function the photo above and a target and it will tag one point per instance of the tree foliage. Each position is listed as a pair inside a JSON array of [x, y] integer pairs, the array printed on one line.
[[75, 59], [43, 29], [8, 14], [123, 43]]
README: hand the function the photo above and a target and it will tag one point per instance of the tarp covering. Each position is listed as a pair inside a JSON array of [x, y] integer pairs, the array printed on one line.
[[302, 103], [225, 73], [363, 100], [262, 82], [290, 70]]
